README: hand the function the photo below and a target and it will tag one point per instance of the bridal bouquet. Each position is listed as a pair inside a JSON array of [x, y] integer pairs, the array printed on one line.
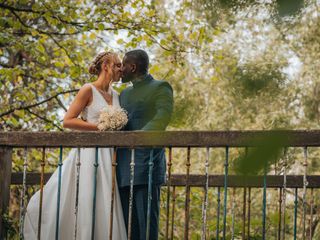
[[112, 118]]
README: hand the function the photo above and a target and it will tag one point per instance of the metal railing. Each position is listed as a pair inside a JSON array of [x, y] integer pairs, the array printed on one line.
[[182, 184]]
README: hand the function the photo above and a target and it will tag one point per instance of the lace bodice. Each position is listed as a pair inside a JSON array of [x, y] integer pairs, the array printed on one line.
[[91, 113]]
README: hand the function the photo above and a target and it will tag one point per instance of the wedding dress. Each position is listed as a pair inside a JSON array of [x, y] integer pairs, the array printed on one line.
[[67, 219]]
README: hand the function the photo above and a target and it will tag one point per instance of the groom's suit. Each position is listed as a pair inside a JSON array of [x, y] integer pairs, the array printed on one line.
[[149, 104]]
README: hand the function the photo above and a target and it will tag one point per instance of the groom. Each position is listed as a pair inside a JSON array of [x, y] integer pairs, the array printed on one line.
[[149, 104]]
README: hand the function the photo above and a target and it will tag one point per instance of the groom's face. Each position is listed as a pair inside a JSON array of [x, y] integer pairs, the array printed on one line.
[[128, 70]]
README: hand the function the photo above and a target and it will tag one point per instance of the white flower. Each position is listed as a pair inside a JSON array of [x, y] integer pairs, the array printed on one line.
[[112, 118]]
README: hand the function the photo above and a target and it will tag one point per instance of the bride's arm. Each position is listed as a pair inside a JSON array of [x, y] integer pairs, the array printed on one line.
[[71, 119]]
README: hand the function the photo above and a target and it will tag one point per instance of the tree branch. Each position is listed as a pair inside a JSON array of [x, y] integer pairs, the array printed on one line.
[[41, 31], [11, 8], [36, 104], [44, 119], [60, 103], [63, 48], [5, 65]]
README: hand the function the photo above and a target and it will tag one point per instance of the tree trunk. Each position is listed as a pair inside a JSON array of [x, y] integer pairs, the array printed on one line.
[[5, 180]]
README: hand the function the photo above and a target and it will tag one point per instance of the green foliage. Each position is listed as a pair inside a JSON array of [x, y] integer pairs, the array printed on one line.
[[10, 226], [232, 65], [46, 48], [252, 78]]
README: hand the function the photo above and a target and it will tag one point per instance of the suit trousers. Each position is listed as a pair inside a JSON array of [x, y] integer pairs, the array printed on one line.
[[139, 210]]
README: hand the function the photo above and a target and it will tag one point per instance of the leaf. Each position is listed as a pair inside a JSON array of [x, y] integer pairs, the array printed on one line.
[[101, 26], [14, 121], [74, 72], [20, 113], [151, 13], [120, 41], [33, 32], [41, 48], [59, 64], [193, 35], [163, 42], [154, 69], [92, 36]]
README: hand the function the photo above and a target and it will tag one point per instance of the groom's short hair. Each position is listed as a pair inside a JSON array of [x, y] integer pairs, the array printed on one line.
[[140, 58]]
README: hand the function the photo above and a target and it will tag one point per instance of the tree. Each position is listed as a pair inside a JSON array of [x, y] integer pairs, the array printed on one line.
[[233, 64], [46, 47]]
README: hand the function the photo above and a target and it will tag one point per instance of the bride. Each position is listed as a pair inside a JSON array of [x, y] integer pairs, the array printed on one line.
[[91, 98]]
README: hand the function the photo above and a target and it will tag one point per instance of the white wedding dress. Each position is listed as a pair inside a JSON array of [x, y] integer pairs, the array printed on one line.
[[67, 218]]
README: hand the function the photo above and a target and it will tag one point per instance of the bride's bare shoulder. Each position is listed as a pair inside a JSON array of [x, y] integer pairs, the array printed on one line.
[[84, 94], [85, 90]]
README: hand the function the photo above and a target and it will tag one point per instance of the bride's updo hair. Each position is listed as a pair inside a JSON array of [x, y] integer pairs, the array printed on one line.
[[104, 57]]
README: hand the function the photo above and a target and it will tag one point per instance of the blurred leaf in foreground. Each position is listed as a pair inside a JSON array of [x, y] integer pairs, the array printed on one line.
[[267, 151]]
